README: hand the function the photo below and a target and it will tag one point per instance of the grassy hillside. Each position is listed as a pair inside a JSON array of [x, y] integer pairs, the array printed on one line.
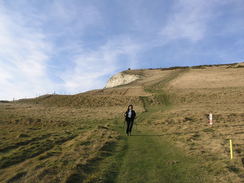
[[80, 138]]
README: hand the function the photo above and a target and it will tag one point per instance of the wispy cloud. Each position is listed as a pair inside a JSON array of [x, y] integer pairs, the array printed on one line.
[[24, 55], [188, 20], [74, 46], [91, 66], [32, 52]]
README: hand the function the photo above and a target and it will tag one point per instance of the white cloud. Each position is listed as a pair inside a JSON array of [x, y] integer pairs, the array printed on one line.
[[91, 66], [23, 57], [27, 47], [188, 20]]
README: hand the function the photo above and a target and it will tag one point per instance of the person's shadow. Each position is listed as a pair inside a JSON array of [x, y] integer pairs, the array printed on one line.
[[147, 135]]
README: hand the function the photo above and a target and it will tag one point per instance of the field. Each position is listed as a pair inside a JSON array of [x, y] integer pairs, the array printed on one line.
[[80, 138]]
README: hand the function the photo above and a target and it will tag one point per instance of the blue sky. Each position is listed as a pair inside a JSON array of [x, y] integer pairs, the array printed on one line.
[[76, 45]]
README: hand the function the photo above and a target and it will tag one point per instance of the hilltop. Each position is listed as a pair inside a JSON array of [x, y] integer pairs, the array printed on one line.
[[79, 138]]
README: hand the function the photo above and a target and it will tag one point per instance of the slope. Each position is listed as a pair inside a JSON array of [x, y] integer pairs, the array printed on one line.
[[80, 138], [151, 158]]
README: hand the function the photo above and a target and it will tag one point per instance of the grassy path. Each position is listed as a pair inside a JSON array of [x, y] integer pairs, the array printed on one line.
[[146, 157], [151, 159]]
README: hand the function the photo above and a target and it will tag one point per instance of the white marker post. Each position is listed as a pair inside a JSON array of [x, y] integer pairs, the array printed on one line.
[[231, 150], [210, 119]]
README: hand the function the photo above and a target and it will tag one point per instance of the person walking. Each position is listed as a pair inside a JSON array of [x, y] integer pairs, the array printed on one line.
[[130, 115]]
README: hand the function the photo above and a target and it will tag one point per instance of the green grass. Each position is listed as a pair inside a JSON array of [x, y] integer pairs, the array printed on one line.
[[149, 158]]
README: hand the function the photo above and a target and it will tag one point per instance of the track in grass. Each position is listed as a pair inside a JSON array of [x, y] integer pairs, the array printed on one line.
[[151, 159]]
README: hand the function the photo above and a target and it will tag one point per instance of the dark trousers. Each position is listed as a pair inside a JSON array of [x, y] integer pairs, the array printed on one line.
[[129, 125]]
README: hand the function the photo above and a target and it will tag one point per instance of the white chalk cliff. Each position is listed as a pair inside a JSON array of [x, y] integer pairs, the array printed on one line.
[[121, 79]]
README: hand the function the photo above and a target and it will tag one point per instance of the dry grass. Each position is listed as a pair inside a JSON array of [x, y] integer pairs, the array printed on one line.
[[60, 138], [212, 77], [219, 90], [51, 144]]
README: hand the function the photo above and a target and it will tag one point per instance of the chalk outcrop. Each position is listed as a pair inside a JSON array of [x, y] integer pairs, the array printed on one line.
[[121, 79]]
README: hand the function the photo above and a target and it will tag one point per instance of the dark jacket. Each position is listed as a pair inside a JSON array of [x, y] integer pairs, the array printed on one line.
[[133, 115]]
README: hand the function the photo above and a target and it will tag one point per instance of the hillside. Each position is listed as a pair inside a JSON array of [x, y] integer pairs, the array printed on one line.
[[80, 138]]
